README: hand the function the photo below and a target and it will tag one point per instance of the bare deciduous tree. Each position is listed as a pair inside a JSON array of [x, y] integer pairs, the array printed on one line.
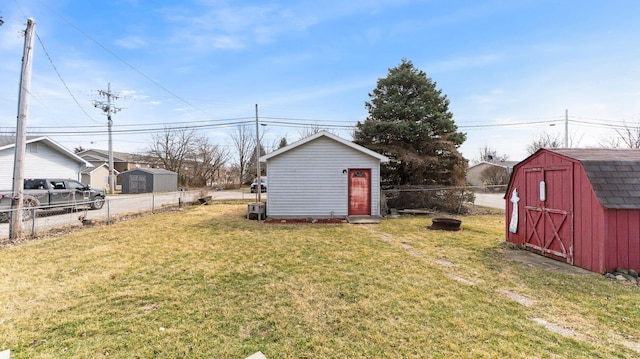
[[191, 155], [311, 130], [494, 175], [545, 140], [172, 148], [628, 137], [487, 154], [243, 141], [207, 158]]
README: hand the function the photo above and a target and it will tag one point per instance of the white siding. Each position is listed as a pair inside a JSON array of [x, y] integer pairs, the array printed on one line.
[[98, 178], [309, 180], [40, 161]]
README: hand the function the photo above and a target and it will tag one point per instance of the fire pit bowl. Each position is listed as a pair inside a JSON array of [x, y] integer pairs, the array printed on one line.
[[445, 224]]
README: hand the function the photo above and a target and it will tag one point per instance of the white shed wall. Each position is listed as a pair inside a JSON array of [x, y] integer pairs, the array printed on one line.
[[309, 180], [40, 161]]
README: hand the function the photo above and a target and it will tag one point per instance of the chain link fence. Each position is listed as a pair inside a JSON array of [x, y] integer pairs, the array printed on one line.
[[41, 220], [448, 199]]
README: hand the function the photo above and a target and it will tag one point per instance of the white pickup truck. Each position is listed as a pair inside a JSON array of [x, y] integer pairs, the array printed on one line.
[[52, 193]]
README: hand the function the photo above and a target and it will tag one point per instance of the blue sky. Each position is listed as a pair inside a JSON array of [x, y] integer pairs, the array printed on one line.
[[509, 68]]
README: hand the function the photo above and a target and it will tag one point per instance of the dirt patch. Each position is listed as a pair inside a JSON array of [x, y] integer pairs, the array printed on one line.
[[538, 261]]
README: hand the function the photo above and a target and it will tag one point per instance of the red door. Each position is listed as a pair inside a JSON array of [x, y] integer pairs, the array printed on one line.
[[549, 211], [359, 192]]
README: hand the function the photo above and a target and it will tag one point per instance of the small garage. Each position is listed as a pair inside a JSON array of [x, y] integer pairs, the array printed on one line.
[[580, 206], [323, 176], [147, 180]]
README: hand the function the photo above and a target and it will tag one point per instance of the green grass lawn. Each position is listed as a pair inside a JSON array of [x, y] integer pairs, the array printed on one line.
[[207, 283]]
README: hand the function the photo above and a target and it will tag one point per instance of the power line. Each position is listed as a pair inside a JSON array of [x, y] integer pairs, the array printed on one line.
[[112, 53], [62, 80]]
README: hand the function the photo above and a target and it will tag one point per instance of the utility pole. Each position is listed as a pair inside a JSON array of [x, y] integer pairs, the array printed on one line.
[[566, 128], [259, 183], [109, 109], [15, 225]]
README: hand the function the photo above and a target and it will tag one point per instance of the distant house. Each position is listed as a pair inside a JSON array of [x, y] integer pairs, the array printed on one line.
[[122, 161], [44, 158], [323, 176], [147, 180], [477, 174], [97, 177]]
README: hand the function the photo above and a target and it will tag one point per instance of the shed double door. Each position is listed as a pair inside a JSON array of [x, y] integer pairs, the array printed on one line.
[[137, 184], [548, 207]]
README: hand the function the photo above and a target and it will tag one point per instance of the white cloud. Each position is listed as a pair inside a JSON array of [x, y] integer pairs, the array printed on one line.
[[131, 42]]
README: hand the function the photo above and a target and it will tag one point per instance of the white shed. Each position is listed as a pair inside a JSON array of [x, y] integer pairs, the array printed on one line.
[[323, 176]]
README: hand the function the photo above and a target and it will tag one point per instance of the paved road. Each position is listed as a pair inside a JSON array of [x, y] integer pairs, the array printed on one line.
[[493, 200]]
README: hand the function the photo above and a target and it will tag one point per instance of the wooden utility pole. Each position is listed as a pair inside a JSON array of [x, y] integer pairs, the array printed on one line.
[[566, 128], [109, 109], [15, 225], [259, 183]]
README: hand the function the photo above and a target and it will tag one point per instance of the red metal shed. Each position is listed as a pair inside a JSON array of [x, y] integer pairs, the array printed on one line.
[[581, 206]]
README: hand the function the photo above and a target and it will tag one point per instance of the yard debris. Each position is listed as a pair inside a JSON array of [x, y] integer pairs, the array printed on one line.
[[445, 262], [557, 329], [624, 275], [521, 299], [416, 212], [257, 355], [460, 279]]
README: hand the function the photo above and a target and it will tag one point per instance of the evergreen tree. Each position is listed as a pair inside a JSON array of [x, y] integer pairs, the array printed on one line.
[[410, 122]]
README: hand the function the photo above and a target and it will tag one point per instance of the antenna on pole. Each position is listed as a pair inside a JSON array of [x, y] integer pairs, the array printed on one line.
[[109, 109]]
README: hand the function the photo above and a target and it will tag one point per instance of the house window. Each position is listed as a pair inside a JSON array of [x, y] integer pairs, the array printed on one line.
[[359, 174], [32, 147]]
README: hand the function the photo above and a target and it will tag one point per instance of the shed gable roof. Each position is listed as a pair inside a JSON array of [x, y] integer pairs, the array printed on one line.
[[331, 136], [614, 174]]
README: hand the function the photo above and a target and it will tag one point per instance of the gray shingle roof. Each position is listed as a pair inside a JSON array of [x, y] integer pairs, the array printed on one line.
[[614, 174]]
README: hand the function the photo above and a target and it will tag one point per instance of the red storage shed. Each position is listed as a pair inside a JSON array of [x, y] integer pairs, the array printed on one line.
[[581, 206]]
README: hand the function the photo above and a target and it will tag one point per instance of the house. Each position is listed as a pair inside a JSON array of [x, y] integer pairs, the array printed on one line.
[[323, 176], [96, 177], [581, 206], [147, 180], [122, 161], [43, 158], [491, 173]]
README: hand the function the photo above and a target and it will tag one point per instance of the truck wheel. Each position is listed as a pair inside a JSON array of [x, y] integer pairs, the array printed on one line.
[[97, 203]]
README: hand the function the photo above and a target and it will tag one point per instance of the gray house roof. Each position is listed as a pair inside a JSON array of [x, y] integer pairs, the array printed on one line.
[[504, 164], [614, 174], [155, 171], [93, 154]]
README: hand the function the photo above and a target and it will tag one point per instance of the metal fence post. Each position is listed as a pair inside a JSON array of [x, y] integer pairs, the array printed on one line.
[[33, 221], [108, 212]]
